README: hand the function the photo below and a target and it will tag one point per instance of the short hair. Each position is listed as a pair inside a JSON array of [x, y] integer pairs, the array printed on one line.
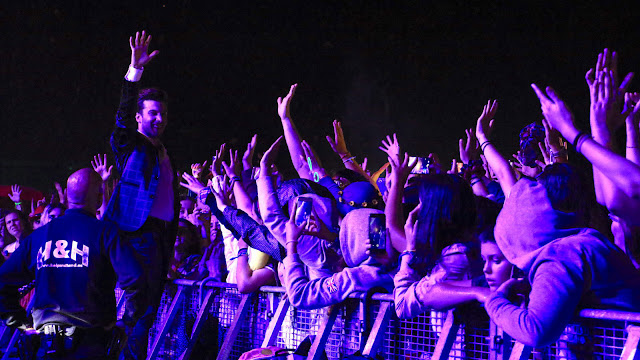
[[154, 94], [27, 227]]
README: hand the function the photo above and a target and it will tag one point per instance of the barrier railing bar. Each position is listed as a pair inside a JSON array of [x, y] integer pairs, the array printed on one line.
[[520, 351], [378, 330], [120, 302], [631, 350], [271, 335], [447, 337], [173, 310], [16, 332], [317, 348], [200, 320], [234, 329], [609, 315]]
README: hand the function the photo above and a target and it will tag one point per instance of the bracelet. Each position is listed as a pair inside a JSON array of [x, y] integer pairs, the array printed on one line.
[[348, 159], [18, 203], [235, 179], [242, 252], [575, 139], [580, 139], [290, 241], [475, 182], [484, 145]]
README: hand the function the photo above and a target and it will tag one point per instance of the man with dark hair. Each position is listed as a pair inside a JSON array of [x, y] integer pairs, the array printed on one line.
[[144, 203], [74, 261]]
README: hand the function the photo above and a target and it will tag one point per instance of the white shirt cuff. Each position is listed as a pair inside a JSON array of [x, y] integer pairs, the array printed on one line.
[[133, 74]]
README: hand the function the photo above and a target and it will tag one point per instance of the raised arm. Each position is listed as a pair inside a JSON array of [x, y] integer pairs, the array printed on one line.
[[103, 169], [291, 135], [624, 174], [502, 169], [631, 124], [400, 170], [339, 146], [234, 170], [122, 138]]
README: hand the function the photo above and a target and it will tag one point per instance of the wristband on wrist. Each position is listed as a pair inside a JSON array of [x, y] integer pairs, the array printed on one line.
[[348, 159], [484, 145], [18, 203], [235, 179], [577, 138], [242, 252], [473, 182]]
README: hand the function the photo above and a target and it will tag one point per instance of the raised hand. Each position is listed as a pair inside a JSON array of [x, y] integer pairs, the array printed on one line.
[[411, 228], [284, 103], [337, 143], [62, 193], [191, 183], [484, 126], [469, 151], [247, 157], [221, 190], [556, 112], [269, 157], [216, 161], [314, 163], [530, 171], [16, 191], [234, 168], [140, 50], [391, 146], [401, 168], [99, 165], [197, 169], [454, 167]]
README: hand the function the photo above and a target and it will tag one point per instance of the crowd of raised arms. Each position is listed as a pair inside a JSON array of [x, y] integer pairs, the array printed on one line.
[[531, 238]]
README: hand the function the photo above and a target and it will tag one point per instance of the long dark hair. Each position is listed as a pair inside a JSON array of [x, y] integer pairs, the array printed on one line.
[[448, 213], [27, 228]]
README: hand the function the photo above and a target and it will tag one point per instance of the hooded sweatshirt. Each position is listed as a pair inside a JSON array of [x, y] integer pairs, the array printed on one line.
[[567, 266], [363, 272], [316, 253]]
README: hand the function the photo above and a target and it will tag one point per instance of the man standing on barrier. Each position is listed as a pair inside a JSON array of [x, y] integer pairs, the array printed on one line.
[[74, 260], [144, 203]]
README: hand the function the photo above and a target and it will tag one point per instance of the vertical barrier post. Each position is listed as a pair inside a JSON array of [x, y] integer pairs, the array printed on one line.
[[630, 350], [447, 337], [234, 329], [323, 333], [378, 330], [500, 343], [271, 335], [197, 327], [164, 329], [520, 351], [16, 332]]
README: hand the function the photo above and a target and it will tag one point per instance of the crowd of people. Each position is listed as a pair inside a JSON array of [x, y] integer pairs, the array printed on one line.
[[532, 239]]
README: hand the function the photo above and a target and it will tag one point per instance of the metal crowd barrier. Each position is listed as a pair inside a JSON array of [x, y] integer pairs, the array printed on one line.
[[215, 321], [210, 320]]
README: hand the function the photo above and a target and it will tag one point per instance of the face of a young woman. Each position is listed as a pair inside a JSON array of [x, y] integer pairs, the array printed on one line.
[[496, 267]]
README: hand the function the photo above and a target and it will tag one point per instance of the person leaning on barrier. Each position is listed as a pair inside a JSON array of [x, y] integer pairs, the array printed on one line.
[[542, 230], [75, 261], [364, 272]]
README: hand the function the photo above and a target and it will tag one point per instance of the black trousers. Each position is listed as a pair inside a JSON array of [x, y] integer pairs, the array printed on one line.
[[154, 249], [83, 344]]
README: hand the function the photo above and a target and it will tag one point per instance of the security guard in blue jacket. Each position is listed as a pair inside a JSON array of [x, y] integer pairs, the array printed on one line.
[[75, 261]]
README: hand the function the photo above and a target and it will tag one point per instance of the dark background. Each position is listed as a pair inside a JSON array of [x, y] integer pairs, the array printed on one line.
[[421, 69]]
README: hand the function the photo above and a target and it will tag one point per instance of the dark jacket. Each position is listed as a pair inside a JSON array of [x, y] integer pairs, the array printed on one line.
[[75, 261], [137, 161]]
